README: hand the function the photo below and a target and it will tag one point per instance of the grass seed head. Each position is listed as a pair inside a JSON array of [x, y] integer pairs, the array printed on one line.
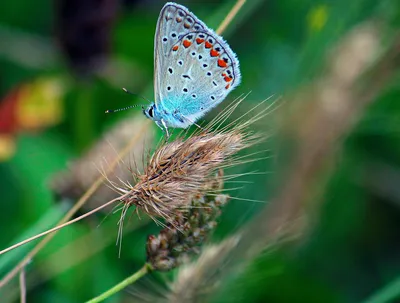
[[180, 170]]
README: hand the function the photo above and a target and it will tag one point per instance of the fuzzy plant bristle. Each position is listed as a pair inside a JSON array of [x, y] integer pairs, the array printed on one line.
[[183, 237], [181, 170]]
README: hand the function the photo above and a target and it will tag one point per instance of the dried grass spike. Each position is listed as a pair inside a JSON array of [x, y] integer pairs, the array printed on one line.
[[181, 170]]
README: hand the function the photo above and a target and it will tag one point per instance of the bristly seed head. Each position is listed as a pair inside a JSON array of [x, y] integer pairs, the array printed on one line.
[[179, 170]]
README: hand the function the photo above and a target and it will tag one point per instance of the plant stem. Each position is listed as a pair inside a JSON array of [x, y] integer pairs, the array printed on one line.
[[228, 19], [133, 278]]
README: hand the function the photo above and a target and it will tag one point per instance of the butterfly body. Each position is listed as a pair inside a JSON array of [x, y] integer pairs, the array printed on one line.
[[166, 116], [194, 69]]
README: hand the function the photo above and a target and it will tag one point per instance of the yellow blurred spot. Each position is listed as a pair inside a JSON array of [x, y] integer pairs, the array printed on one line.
[[40, 104], [7, 147], [317, 18]]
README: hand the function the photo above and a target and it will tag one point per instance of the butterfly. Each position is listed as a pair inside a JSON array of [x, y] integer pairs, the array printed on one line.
[[194, 69]]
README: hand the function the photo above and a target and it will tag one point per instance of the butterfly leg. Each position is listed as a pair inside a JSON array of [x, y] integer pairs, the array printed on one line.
[[161, 124], [165, 127]]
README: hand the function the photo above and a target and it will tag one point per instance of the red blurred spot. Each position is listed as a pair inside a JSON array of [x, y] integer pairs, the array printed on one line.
[[8, 112]]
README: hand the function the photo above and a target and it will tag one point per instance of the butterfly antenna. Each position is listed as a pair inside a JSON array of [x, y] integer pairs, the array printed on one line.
[[130, 93], [109, 111]]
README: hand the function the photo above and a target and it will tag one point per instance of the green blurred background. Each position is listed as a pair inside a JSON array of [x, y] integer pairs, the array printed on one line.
[[63, 63]]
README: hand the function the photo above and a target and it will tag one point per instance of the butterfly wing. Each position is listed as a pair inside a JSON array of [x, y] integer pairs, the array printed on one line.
[[195, 68], [171, 24]]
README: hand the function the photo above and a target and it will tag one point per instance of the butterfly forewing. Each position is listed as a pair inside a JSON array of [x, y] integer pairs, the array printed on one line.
[[195, 68]]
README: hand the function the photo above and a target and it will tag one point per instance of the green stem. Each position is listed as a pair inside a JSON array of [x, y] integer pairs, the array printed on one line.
[[136, 276]]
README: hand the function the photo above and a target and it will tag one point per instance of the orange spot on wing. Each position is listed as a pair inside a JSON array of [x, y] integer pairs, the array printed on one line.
[[227, 79], [226, 87], [187, 43], [175, 48], [208, 44], [186, 25], [221, 63], [214, 53], [199, 40], [178, 19]]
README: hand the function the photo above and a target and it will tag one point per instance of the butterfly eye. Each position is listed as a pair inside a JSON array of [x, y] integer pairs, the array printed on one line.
[[151, 112]]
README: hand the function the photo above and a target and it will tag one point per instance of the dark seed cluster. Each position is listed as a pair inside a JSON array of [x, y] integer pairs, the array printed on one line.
[[183, 237]]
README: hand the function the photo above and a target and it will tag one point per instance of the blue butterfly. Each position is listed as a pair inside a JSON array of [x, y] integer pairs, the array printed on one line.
[[194, 69]]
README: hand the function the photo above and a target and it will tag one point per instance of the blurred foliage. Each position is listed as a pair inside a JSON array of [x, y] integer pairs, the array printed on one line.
[[52, 110]]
